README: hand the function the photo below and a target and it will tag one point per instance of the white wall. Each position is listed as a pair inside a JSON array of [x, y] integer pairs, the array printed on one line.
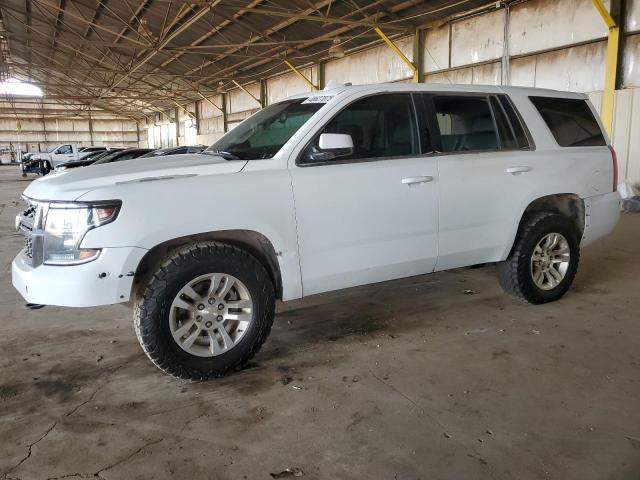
[[41, 126]]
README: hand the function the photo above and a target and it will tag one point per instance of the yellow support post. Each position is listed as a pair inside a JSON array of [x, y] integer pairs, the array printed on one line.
[[398, 52], [611, 71], [299, 73]]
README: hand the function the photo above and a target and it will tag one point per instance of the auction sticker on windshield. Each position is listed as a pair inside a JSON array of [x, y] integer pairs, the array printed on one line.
[[319, 99]]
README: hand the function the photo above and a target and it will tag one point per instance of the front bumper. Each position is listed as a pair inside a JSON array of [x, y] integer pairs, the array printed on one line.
[[104, 281]]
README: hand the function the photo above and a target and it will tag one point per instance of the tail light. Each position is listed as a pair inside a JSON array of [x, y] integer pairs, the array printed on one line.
[[614, 157]]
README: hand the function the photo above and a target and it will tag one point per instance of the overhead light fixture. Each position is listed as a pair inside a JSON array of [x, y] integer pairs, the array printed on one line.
[[336, 50], [12, 86]]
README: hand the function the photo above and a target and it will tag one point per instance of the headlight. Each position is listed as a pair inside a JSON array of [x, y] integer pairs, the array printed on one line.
[[66, 226]]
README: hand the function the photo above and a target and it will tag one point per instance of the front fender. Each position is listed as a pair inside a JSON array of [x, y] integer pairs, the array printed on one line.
[[153, 213]]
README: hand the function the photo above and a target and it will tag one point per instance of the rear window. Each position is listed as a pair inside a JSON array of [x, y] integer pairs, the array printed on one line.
[[571, 121], [465, 123]]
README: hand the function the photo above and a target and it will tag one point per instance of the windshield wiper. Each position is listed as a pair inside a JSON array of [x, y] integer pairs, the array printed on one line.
[[223, 154]]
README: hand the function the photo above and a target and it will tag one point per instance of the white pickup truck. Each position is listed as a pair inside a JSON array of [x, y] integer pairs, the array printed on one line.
[[319, 192], [63, 153]]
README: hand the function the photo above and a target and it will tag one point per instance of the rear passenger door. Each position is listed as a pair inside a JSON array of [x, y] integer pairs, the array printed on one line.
[[372, 214], [483, 159]]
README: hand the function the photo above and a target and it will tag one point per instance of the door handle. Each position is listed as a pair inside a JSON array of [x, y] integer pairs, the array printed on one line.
[[517, 170], [414, 180]]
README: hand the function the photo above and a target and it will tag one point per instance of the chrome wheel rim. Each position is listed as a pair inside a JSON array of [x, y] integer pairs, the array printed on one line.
[[211, 314], [550, 261]]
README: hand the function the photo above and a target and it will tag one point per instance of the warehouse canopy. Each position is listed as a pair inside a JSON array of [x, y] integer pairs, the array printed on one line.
[[133, 57]]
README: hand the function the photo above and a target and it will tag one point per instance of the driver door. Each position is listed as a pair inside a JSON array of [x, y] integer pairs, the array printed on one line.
[[371, 214]]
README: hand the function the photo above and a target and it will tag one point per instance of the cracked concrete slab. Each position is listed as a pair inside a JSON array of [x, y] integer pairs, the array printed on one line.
[[382, 381]]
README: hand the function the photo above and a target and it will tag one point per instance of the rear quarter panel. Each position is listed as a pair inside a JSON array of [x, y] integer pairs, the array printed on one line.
[[583, 171]]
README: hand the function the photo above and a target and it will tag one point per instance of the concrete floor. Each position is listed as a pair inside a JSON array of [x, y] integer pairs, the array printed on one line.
[[403, 380]]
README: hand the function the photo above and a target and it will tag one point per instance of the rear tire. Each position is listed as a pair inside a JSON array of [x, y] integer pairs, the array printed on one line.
[[544, 259], [189, 290]]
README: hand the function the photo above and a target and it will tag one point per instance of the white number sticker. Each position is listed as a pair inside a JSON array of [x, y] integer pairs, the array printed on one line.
[[319, 99]]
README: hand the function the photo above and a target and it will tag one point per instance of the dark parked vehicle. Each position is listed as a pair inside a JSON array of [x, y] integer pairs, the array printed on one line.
[[84, 151], [175, 151], [127, 154], [88, 160]]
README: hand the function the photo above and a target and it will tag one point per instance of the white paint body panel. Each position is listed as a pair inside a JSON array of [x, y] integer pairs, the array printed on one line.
[[331, 226], [358, 223]]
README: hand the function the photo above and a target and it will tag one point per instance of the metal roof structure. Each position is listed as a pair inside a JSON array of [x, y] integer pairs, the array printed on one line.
[[134, 57]]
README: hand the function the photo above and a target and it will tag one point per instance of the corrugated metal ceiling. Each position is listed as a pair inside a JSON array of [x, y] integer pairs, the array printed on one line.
[[143, 56]]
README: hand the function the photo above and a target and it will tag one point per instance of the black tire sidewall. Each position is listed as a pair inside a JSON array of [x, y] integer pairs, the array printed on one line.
[[178, 273], [549, 224]]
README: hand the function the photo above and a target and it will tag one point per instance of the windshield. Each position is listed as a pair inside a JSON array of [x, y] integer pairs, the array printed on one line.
[[264, 134]]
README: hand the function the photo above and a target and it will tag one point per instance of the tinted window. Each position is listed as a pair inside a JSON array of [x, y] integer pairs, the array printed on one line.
[[571, 121], [465, 123], [127, 156], [64, 150], [380, 126], [507, 137], [516, 122]]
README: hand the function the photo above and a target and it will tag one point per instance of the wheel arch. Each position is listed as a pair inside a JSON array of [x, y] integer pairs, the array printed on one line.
[[569, 205], [251, 241]]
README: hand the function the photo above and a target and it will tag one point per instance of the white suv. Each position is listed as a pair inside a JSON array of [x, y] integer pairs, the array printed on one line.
[[319, 192]]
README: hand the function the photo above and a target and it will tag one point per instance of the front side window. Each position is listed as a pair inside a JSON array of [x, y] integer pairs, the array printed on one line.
[[465, 123], [571, 121], [265, 133], [380, 126]]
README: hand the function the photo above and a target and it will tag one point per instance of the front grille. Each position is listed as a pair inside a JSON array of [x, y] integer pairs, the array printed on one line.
[[28, 247], [29, 225]]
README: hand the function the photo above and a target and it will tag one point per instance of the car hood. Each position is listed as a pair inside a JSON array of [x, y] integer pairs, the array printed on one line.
[[71, 184]]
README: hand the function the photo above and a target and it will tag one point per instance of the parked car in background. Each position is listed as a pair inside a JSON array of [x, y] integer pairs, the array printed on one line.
[[86, 161], [62, 153], [85, 151], [324, 191], [127, 154], [175, 151]]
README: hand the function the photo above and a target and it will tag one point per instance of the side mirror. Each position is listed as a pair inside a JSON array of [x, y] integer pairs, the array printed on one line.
[[332, 146], [335, 141]]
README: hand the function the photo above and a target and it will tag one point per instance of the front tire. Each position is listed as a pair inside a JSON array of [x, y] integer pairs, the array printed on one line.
[[205, 312], [544, 259]]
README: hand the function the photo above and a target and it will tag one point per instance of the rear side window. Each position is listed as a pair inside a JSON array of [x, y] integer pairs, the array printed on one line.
[[516, 122], [465, 123], [571, 121], [507, 137]]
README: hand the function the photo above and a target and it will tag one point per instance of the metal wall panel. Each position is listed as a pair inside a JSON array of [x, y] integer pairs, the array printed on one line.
[[240, 101], [436, 49], [577, 69], [289, 84], [543, 24], [633, 16], [477, 39], [625, 134], [631, 61], [487, 74], [207, 110], [376, 65]]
